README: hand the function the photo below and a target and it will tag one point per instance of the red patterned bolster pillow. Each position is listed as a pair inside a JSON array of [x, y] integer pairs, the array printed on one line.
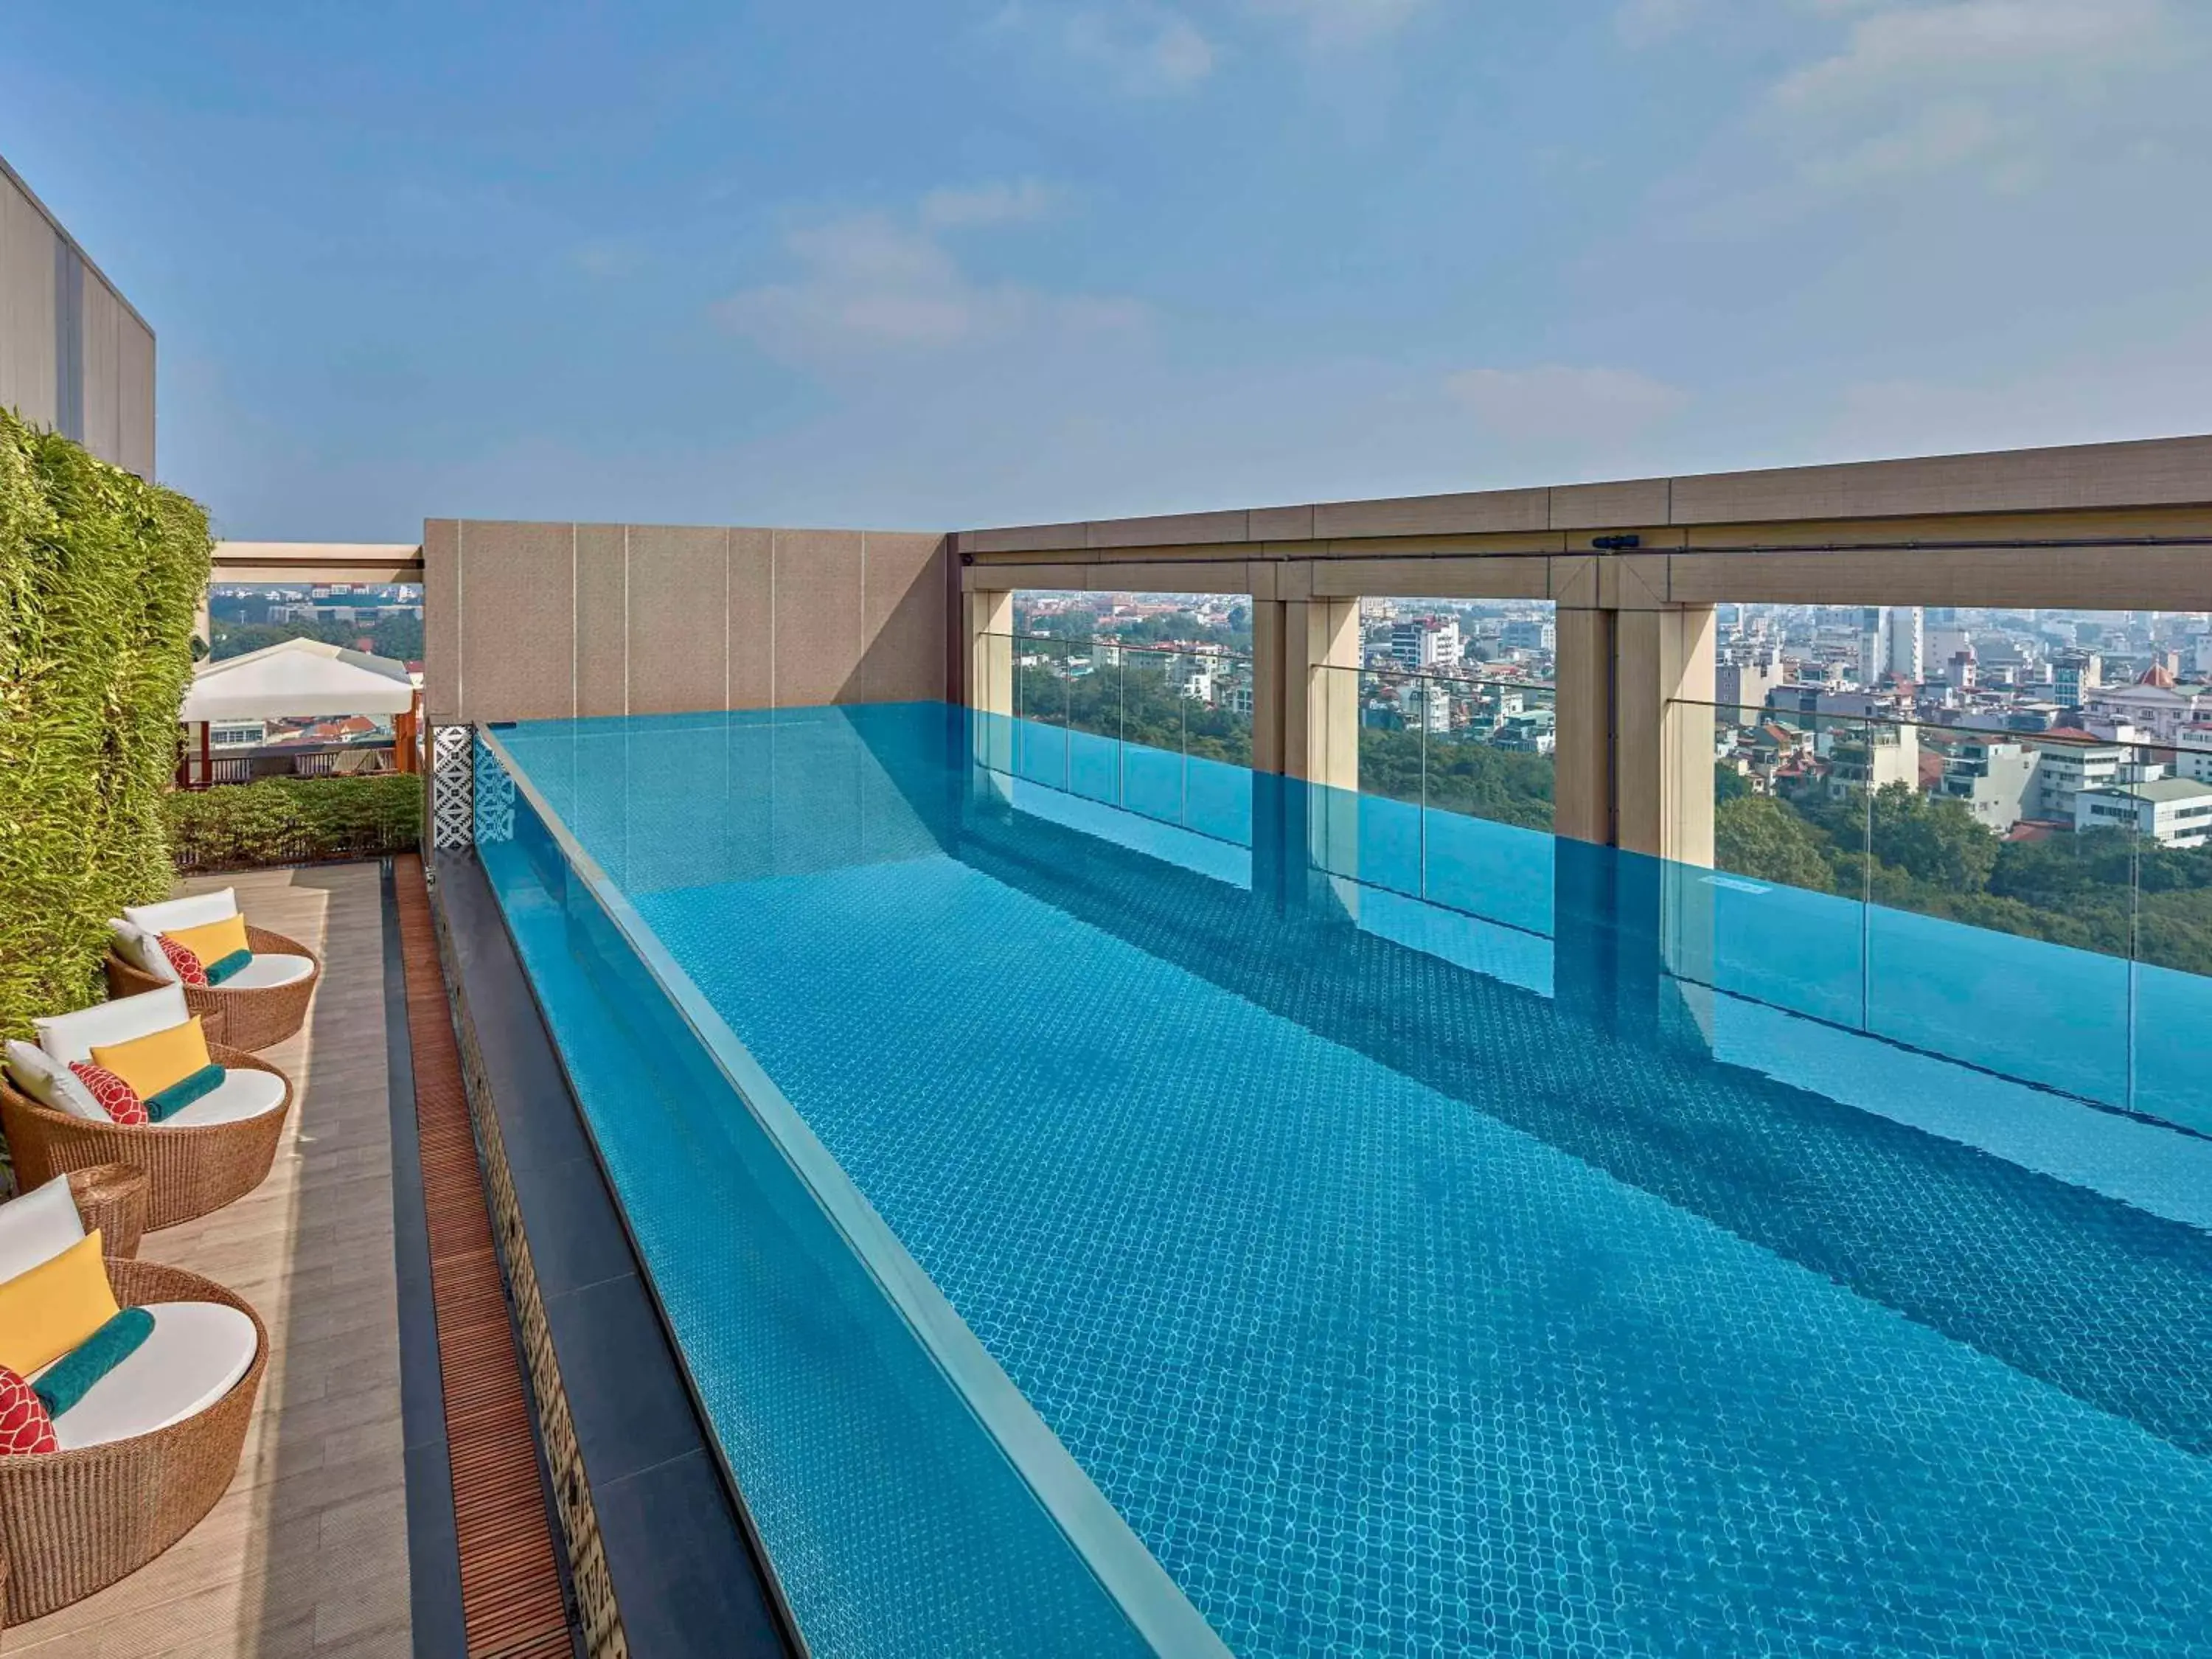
[[116, 1097], [24, 1424], [184, 959]]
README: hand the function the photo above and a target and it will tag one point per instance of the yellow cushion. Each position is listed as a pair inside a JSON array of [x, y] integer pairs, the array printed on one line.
[[212, 941], [150, 1064], [49, 1310]]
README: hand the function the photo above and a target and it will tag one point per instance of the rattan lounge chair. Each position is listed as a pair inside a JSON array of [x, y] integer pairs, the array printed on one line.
[[72, 1522], [112, 1197], [191, 1168], [240, 1015]]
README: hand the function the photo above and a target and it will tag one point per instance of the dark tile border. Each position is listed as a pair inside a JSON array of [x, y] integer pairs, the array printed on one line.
[[652, 1515], [434, 1551]]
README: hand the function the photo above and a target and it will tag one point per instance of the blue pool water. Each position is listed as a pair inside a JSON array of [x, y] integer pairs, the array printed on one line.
[[1418, 1258]]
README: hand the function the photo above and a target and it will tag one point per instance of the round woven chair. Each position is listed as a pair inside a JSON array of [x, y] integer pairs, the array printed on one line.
[[112, 1197], [72, 1522], [189, 1170], [251, 1018]]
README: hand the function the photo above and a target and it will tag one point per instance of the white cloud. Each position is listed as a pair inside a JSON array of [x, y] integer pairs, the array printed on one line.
[[1897, 49], [604, 259], [1941, 137], [987, 204], [1643, 22], [2004, 91], [2089, 396], [1555, 402], [2005, 95], [1142, 48], [1342, 22], [874, 285], [1150, 48], [1179, 55]]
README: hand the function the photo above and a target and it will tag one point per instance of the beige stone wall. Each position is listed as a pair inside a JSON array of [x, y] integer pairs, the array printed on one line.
[[27, 307], [90, 376], [539, 621], [1818, 503]]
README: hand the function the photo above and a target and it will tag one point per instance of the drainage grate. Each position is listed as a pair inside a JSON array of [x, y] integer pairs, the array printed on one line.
[[511, 1600]]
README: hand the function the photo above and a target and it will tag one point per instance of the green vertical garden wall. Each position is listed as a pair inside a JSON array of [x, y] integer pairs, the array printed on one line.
[[101, 578]]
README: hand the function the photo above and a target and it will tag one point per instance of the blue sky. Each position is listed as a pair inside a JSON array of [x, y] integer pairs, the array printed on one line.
[[939, 264]]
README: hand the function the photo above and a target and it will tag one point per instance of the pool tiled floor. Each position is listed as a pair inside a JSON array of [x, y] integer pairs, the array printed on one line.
[[1407, 1308]]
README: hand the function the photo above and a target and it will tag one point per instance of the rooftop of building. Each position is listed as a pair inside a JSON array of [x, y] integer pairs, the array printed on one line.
[[2160, 791]]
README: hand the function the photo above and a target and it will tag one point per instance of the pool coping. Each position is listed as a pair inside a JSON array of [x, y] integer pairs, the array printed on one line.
[[1125, 1567]]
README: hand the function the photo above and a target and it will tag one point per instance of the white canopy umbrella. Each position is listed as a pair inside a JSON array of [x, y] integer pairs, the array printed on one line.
[[298, 677]]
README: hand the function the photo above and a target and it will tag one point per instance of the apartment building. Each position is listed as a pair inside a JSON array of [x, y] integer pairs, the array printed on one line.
[[2172, 812], [1424, 644], [1529, 633], [2070, 761], [1873, 758], [1744, 678], [1994, 781], [2154, 705]]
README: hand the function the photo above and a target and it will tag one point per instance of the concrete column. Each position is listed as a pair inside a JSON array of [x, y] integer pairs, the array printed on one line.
[[1320, 731], [990, 627], [1663, 751], [1582, 786], [1635, 773], [1269, 650], [1634, 768], [1321, 711]]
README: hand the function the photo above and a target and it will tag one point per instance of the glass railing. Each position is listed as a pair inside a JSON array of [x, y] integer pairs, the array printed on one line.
[[1165, 734], [1455, 776], [2036, 904], [1471, 747], [908, 1498]]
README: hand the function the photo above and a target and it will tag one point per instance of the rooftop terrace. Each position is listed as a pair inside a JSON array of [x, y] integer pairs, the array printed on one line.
[[307, 1552], [882, 1134]]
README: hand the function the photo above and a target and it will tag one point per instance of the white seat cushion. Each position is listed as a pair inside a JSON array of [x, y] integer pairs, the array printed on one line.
[[38, 1227], [242, 1093], [193, 910], [263, 973], [69, 1037], [50, 1083], [193, 1356]]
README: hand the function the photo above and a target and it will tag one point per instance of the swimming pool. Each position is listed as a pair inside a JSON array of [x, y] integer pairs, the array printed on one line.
[[1513, 1258]]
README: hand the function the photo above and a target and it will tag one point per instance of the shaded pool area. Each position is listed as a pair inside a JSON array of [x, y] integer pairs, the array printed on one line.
[[1428, 1238]]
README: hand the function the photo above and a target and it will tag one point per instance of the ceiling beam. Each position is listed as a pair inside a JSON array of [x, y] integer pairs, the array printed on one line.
[[312, 562]]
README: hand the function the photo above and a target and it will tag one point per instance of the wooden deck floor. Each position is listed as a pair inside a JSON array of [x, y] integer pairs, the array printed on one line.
[[307, 1553]]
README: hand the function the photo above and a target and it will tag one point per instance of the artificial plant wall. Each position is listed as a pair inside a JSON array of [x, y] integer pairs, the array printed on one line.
[[101, 579]]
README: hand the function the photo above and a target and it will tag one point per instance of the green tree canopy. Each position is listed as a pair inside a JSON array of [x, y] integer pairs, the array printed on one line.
[[398, 637], [1932, 838], [1759, 836]]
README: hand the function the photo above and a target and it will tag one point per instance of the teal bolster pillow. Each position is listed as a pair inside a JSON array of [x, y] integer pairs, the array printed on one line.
[[70, 1377], [223, 967], [159, 1108]]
